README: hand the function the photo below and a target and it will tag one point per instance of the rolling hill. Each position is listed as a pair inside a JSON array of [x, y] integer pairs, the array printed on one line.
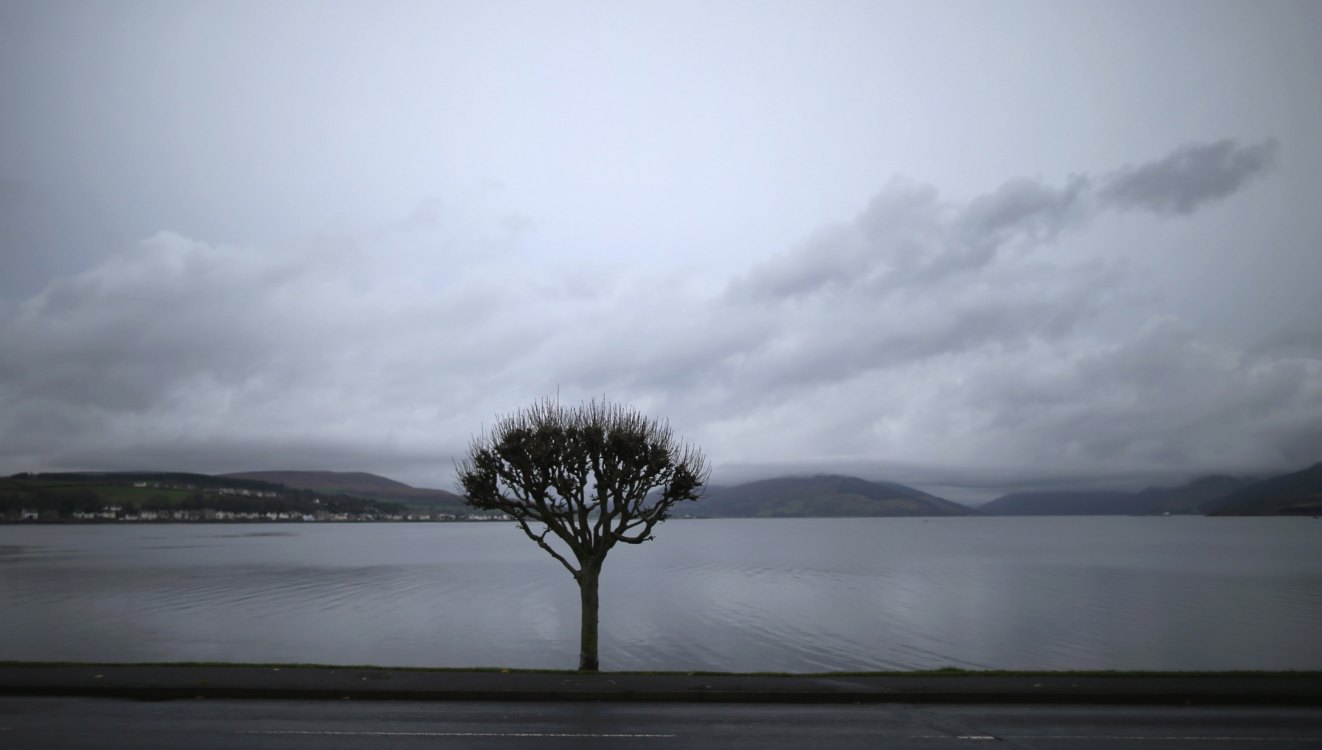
[[1186, 498], [1191, 497], [822, 495], [1299, 493], [360, 484], [111, 495], [1064, 503]]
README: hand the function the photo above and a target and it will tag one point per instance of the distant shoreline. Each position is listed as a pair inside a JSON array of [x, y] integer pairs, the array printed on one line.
[[239, 521]]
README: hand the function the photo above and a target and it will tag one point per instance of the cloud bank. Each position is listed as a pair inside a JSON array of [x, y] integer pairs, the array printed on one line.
[[927, 340]]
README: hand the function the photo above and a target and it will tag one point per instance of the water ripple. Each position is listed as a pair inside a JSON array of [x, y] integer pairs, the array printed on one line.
[[781, 595]]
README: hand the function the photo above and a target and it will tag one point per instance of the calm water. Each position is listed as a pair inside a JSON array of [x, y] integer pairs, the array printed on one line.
[[791, 595]]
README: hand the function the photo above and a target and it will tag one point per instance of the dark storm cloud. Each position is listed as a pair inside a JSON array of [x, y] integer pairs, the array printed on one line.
[[1193, 175]]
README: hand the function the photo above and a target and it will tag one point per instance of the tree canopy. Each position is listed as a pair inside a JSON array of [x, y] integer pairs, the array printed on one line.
[[591, 475]]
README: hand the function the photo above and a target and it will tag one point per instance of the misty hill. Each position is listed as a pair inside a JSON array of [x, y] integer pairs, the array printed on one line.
[[1299, 493], [821, 495], [1186, 498], [360, 484], [1191, 497], [1064, 503]]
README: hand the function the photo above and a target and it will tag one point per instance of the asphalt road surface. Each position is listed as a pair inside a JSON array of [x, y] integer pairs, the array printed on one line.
[[72, 723]]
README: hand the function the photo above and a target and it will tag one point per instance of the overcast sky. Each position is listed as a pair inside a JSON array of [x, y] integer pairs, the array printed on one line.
[[965, 246]]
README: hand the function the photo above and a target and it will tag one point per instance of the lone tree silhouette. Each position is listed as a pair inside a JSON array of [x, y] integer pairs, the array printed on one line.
[[592, 475]]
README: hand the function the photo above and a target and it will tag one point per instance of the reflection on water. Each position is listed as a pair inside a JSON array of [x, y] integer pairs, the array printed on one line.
[[791, 595]]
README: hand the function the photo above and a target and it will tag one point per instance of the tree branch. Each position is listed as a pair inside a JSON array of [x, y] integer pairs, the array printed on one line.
[[541, 542]]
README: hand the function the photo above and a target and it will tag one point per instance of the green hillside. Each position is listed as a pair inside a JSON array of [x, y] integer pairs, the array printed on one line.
[[62, 496], [362, 484]]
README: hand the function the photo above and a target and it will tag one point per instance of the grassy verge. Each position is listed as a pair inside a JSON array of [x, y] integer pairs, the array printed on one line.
[[943, 672]]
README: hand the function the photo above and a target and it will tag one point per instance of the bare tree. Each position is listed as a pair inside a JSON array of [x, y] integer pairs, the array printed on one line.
[[592, 475]]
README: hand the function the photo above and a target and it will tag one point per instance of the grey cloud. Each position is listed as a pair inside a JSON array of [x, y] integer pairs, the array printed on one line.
[[1020, 211], [902, 328], [1162, 398], [127, 333], [901, 227], [1298, 339], [1190, 177], [950, 328], [425, 217], [916, 284], [174, 343], [47, 231], [907, 236], [224, 454], [1024, 207], [923, 333], [832, 316], [914, 278]]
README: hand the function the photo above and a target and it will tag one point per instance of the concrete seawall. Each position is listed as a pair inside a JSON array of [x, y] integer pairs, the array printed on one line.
[[165, 682]]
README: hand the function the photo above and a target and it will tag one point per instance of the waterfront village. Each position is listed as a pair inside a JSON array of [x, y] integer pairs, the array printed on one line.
[[214, 504], [119, 514]]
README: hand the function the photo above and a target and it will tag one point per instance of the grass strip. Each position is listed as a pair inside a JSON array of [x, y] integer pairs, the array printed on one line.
[[942, 672]]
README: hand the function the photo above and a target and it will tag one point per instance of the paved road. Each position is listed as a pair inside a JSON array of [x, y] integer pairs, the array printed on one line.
[[37, 723]]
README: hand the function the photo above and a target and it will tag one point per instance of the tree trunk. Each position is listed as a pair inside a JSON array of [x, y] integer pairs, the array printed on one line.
[[587, 589]]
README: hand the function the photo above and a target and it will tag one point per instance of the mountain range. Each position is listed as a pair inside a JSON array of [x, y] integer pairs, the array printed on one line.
[[1299, 493], [1186, 498], [828, 495], [784, 497]]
